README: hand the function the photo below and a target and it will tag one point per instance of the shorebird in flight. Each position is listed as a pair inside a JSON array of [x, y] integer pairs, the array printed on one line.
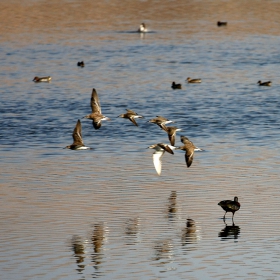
[[96, 115], [78, 143]]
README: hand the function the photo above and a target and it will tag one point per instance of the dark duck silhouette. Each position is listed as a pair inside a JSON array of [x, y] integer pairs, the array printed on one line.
[[230, 206], [222, 23], [265, 84], [176, 86], [81, 64]]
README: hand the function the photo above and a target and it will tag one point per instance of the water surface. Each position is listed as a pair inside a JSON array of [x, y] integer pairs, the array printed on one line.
[[105, 213]]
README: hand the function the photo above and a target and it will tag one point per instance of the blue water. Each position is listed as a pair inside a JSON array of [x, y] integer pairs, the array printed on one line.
[[105, 213]]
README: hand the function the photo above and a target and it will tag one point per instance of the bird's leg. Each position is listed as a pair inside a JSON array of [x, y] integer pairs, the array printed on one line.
[[224, 216]]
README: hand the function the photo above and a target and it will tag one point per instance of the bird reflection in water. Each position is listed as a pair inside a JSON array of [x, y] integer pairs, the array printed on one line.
[[190, 233], [79, 251], [172, 208], [163, 251], [97, 242], [131, 230], [230, 232]]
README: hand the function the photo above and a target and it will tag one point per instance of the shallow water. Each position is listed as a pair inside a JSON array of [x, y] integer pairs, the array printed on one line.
[[105, 213]]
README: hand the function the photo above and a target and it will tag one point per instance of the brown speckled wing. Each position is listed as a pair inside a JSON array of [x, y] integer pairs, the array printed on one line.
[[166, 148], [189, 156], [77, 134], [185, 140], [94, 102], [131, 112], [171, 139]]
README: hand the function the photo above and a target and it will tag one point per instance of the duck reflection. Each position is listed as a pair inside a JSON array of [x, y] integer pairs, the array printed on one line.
[[189, 235], [172, 208], [131, 230], [229, 232], [163, 250], [132, 226], [79, 251], [97, 242]]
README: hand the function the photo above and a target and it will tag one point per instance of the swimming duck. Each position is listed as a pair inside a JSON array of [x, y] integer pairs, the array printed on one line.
[[193, 81], [142, 28], [176, 86], [221, 23], [80, 64], [42, 79], [266, 84]]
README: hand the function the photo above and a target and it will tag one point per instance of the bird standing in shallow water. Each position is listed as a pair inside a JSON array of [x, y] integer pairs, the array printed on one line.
[[96, 115], [78, 143], [190, 148], [131, 115], [230, 206]]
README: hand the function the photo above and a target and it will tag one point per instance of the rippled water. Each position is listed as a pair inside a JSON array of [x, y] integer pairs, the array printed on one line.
[[105, 213]]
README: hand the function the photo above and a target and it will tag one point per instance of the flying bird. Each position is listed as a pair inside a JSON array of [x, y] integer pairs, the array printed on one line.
[[131, 115], [189, 148], [96, 115], [160, 149], [171, 132], [78, 143], [160, 121]]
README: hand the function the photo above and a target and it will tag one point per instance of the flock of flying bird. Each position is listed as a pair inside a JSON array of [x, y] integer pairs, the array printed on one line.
[[160, 148]]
